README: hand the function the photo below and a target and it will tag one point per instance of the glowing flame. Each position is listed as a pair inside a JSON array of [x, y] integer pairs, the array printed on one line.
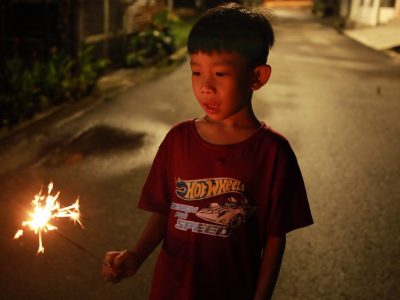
[[45, 209]]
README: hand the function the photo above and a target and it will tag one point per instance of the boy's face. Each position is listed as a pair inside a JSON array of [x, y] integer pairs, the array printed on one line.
[[222, 83]]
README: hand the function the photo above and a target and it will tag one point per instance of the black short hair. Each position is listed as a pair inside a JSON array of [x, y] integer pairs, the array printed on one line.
[[233, 28]]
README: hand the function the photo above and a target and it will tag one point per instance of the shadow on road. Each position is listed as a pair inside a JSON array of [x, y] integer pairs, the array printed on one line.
[[96, 141]]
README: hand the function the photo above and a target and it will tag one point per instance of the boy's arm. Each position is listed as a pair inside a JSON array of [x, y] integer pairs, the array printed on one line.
[[270, 266], [152, 235], [121, 264]]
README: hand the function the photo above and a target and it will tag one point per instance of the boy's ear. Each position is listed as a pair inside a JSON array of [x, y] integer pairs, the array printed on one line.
[[261, 76]]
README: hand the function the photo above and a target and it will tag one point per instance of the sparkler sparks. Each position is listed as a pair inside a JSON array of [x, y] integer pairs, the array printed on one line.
[[47, 208]]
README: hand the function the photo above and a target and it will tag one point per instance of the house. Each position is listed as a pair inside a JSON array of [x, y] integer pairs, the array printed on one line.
[[374, 23]]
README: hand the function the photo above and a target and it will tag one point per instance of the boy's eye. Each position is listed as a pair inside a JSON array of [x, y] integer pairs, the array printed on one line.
[[220, 74], [195, 73]]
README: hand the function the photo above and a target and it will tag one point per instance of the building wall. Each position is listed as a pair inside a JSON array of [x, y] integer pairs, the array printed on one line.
[[365, 11], [374, 12]]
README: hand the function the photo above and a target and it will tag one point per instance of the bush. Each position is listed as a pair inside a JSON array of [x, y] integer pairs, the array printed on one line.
[[30, 88], [152, 45]]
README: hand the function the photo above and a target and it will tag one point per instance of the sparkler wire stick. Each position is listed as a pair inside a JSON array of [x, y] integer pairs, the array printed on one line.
[[80, 247]]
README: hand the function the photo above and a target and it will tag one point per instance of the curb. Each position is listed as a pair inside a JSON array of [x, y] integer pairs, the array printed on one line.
[[84, 104]]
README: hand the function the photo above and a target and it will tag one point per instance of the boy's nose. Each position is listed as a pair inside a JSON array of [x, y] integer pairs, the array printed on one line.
[[207, 87]]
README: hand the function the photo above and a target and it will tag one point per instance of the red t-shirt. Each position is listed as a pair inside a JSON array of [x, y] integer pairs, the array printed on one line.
[[223, 201]]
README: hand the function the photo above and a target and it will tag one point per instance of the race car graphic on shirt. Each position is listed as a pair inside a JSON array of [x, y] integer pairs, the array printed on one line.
[[220, 202], [230, 214]]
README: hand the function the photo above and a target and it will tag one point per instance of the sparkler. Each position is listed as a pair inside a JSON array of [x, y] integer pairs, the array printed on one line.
[[45, 209]]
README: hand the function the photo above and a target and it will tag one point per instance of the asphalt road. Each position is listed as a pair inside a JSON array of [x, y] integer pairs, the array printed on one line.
[[335, 100]]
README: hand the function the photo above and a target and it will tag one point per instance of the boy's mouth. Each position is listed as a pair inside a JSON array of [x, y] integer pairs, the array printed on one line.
[[211, 108]]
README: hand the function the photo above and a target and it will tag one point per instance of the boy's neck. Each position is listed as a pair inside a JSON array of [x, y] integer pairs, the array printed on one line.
[[230, 131], [232, 125]]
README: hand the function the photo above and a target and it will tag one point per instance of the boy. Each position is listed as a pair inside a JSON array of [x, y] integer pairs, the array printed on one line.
[[223, 189]]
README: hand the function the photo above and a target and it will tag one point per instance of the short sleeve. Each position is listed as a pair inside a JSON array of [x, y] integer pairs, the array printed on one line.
[[155, 195], [290, 208]]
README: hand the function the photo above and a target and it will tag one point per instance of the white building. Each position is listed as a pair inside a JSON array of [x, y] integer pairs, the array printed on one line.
[[370, 12]]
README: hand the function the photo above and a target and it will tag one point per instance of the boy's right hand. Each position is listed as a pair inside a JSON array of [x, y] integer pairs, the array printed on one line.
[[119, 264]]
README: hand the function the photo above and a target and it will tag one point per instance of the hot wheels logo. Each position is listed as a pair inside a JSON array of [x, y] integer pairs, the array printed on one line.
[[205, 188]]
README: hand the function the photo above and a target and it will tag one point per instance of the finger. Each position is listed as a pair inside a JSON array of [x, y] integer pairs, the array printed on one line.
[[107, 270], [108, 258], [105, 265], [119, 260], [112, 277]]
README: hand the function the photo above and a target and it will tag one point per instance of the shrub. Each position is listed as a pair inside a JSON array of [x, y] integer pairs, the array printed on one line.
[[152, 45], [26, 89]]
